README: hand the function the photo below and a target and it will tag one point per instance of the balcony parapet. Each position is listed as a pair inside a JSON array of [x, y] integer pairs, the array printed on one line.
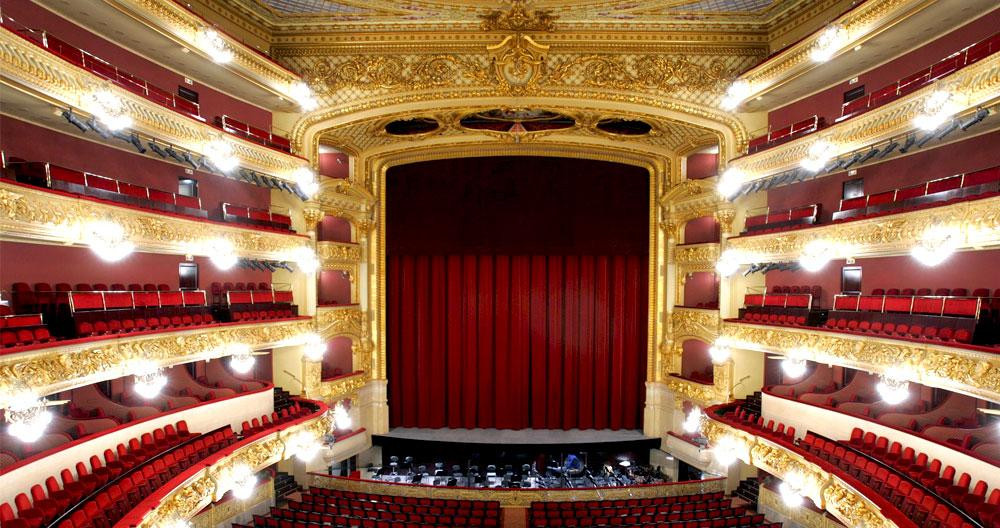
[[975, 85], [826, 490], [338, 255], [58, 82], [701, 394], [977, 220], [38, 215], [84, 362], [972, 372], [696, 257], [332, 390]]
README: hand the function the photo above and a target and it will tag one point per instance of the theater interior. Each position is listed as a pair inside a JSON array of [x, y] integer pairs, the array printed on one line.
[[499, 263]]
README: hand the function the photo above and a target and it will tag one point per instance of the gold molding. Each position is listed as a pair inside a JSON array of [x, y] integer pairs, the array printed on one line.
[[37, 215], [212, 482], [332, 391], [826, 490], [336, 321], [52, 79], [517, 498], [336, 255], [696, 257], [804, 517], [956, 369], [59, 368], [694, 323], [895, 234], [974, 85], [698, 393], [225, 513]]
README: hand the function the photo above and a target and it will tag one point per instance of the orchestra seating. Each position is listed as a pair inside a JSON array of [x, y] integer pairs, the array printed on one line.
[[900, 489], [139, 86], [943, 191], [783, 220], [706, 510], [51, 176], [885, 95], [115, 481]]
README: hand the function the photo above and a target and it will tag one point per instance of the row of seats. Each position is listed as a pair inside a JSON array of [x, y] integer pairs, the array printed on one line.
[[124, 467], [543, 510], [252, 133], [910, 83], [960, 187], [256, 217], [921, 491], [130, 82], [335, 514], [939, 292], [783, 220], [22, 330], [109, 313], [311, 503], [45, 298], [265, 422], [489, 508]]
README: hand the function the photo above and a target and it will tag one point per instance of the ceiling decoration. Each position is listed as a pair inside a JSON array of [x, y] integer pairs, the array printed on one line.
[[411, 127]]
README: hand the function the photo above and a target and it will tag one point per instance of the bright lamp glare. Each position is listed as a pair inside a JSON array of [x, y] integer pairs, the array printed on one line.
[[220, 153], [306, 447], [222, 254], [815, 255], [692, 423], [728, 262], [831, 40], [935, 245], [341, 418], [107, 240], [306, 259], [110, 110], [27, 417], [244, 482], [305, 178], [789, 496], [242, 362], [939, 106], [735, 94], [793, 368], [149, 380], [725, 451], [893, 387], [315, 347], [720, 352], [215, 46], [819, 154], [303, 95], [730, 182]]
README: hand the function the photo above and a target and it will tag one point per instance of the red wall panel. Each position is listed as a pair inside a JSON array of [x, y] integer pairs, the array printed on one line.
[[333, 288], [700, 166], [695, 358], [699, 230], [34, 143], [213, 102], [701, 287], [338, 359], [334, 165], [333, 229]]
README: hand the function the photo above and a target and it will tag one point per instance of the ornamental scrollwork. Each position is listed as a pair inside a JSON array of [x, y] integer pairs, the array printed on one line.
[[519, 19], [342, 321], [334, 253]]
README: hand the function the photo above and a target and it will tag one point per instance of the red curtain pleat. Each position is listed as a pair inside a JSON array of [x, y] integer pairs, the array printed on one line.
[[516, 341]]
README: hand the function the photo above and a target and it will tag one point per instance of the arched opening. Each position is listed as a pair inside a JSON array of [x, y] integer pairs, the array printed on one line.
[[338, 359], [333, 288], [701, 290], [703, 163], [333, 163], [696, 363]]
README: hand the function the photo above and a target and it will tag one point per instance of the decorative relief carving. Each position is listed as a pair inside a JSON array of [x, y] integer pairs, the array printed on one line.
[[342, 388], [886, 235], [334, 254], [700, 256], [37, 214], [703, 395], [957, 369], [40, 71], [342, 321], [686, 322], [55, 369], [518, 19]]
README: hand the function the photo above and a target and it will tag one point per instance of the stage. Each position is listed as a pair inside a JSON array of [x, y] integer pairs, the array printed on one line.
[[521, 437]]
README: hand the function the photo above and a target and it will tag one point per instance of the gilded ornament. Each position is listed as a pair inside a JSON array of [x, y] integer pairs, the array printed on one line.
[[518, 19]]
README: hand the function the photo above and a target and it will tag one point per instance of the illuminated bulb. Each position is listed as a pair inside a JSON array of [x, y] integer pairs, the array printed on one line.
[[305, 446], [789, 496], [735, 94], [815, 255], [315, 348], [220, 153], [820, 152], [893, 387], [303, 95], [244, 482], [729, 261], [341, 418], [107, 240], [692, 423], [939, 106], [793, 368], [110, 110], [149, 380], [720, 352], [242, 359], [730, 182], [222, 254], [215, 46], [306, 259], [725, 451], [27, 417], [936, 244], [305, 178], [829, 41]]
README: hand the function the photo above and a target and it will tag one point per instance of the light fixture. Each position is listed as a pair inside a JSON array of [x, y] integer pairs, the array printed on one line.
[[110, 110], [936, 244], [212, 43], [244, 482], [27, 416], [725, 451], [735, 94], [790, 495], [729, 261], [720, 351], [107, 240], [730, 182], [148, 379], [939, 107], [241, 358], [692, 423], [820, 152], [793, 367], [304, 96], [176, 522], [314, 347], [828, 43], [305, 446], [220, 153], [222, 253], [893, 387], [341, 418], [305, 178], [306, 259], [816, 254]]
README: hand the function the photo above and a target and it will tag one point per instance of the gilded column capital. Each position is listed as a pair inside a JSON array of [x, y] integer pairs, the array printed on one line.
[[312, 214], [725, 218]]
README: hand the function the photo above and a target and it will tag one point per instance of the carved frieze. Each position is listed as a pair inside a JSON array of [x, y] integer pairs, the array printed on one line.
[[338, 255], [341, 321]]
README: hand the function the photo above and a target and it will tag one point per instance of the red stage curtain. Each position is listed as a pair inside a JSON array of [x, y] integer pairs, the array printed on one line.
[[517, 341]]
